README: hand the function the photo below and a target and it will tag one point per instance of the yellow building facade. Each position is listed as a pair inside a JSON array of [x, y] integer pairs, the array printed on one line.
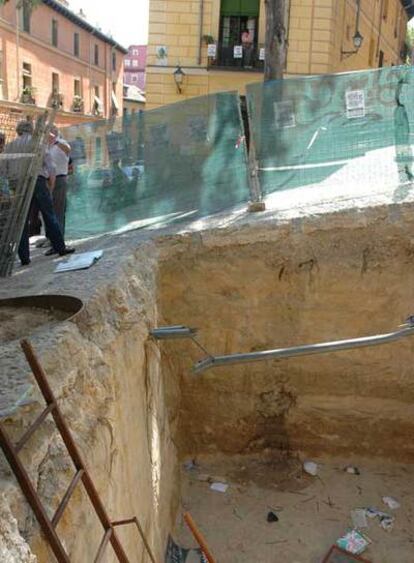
[[219, 44]]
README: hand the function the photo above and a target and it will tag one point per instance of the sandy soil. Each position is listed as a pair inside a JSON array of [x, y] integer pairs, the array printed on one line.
[[313, 511], [18, 322]]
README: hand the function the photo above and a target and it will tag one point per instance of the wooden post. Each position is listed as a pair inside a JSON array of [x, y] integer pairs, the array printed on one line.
[[276, 39]]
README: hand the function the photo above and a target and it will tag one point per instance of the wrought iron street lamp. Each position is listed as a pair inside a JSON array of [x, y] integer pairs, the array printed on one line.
[[357, 39], [179, 78]]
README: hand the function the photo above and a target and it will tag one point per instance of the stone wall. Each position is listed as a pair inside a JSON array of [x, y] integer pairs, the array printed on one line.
[[111, 386]]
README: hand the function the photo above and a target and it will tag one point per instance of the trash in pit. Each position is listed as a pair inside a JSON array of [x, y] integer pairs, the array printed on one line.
[[391, 502], [272, 517], [311, 468], [190, 465], [354, 542], [386, 521], [352, 470], [359, 518], [219, 487]]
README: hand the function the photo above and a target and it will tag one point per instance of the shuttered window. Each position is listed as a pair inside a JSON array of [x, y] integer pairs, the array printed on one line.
[[240, 8]]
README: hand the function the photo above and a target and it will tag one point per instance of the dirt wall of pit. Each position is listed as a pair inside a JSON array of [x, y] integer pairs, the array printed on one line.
[[313, 280], [111, 386]]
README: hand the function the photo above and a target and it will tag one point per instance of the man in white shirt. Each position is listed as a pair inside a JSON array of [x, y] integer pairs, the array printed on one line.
[[60, 153], [41, 194]]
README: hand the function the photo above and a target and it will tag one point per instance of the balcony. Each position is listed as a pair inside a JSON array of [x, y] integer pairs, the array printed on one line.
[[28, 95], [56, 100], [228, 57], [78, 104]]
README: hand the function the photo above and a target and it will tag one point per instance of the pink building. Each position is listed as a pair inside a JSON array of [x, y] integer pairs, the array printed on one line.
[[134, 66]]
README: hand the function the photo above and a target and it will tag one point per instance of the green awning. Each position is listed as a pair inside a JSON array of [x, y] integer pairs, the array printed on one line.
[[240, 7]]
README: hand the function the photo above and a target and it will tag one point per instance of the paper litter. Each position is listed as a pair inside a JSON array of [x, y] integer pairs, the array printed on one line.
[[354, 542], [391, 502], [219, 487]]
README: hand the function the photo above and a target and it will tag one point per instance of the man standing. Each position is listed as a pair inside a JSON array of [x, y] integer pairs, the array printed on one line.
[[41, 195], [59, 151]]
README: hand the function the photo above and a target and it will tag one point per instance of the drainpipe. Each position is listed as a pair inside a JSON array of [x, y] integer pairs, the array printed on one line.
[[17, 54], [90, 71], [379, 28], [201, 22]]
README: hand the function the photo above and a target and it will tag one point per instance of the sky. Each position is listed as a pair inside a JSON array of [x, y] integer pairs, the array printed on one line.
[[126, 20]]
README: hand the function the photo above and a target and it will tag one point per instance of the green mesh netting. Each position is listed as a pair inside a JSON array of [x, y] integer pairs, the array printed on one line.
[[353, 129], [182, 161]]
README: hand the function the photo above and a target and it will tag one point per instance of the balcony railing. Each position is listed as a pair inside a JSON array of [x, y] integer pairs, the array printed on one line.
[[56, 100], [28, 95], [244, 58]]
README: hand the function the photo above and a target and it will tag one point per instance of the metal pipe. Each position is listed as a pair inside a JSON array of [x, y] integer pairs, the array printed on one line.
[[201, 23], [172, 332], [306, 350]]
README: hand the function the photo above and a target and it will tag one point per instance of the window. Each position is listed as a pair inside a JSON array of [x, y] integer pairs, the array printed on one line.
[[27, 75], [76, 44], [127, 62], [135, 63], [55, 83], [96, 55], [381, 59], [77, 87], [238, 28], [54, 33], [113, 60], [25, 17], [125, 111], [98, 108], [135, 52]]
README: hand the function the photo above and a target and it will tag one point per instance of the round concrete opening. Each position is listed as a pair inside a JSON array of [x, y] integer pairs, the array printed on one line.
[[20, 316]]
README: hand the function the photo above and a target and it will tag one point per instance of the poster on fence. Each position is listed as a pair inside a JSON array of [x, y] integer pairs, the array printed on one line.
[[238, 52], [355, 104], [212, 50]]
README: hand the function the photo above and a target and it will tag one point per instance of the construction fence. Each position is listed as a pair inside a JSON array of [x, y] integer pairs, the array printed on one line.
[[326, 134]]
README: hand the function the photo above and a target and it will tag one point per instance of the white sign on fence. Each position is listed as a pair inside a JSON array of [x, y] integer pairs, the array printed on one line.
[[238, 52], [355, 103], [212, 50], [262, 54]]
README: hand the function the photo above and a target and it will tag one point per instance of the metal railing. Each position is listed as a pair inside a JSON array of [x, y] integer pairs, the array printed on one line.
[[249, 58]]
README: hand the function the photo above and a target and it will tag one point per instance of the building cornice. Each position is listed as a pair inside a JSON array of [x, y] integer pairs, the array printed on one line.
[[71, 16]]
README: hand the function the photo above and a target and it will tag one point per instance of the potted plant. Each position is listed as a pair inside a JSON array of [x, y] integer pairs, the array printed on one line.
[[28, 95], [57, 100], [77, 105]]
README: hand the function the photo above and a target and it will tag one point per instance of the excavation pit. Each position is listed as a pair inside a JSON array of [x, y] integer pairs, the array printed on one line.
[[138, 412]]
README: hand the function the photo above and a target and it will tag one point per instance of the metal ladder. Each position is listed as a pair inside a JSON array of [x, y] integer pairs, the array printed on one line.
[[48, 526]]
